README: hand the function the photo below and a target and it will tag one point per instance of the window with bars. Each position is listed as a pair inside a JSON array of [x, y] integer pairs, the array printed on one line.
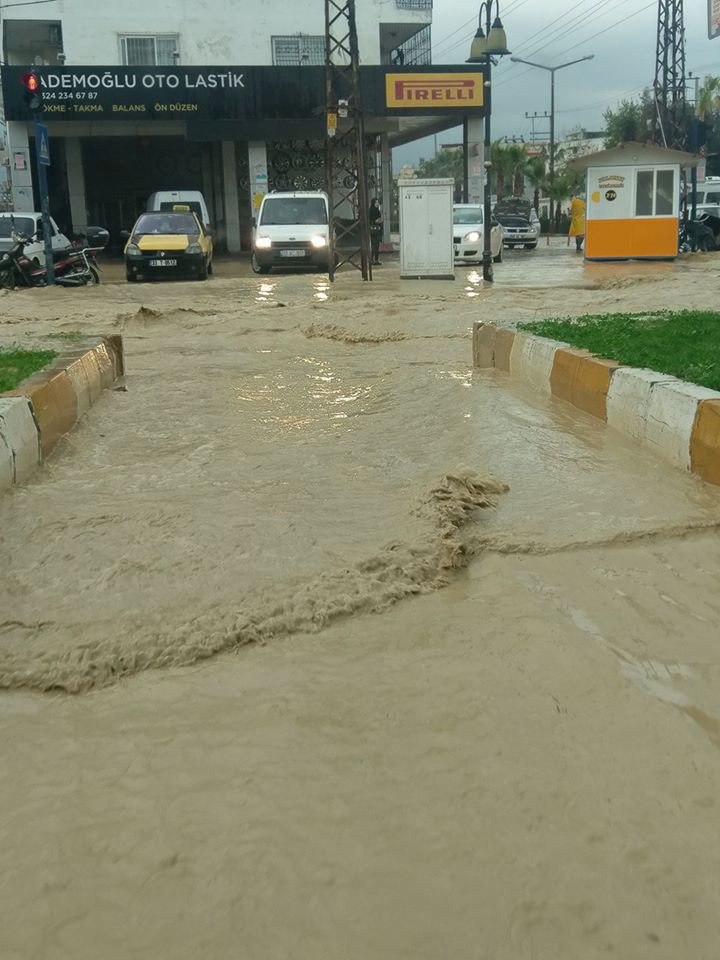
[[299, 50], [150, 51]]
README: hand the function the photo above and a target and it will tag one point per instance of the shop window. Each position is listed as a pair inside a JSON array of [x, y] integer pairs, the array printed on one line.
[[150, 51], [654, 193], [299, 50]]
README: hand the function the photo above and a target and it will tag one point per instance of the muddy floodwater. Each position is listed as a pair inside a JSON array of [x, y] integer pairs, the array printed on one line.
[[315, 643]]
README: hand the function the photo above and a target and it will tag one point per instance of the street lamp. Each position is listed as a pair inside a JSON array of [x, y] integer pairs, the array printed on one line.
[[552, 71], [488, 43]]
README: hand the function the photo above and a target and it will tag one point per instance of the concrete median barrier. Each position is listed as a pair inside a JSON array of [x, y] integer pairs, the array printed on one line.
[[679, 421], [21, 439], [44, 408]]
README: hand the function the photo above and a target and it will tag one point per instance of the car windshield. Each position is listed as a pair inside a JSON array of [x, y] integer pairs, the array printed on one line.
[[467, 215], [166, 223], [282, 211], [23, 225]]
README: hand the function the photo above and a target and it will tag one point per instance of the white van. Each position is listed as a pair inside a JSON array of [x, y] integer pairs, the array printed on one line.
[[30, 225], [167, 200], [292, 230]]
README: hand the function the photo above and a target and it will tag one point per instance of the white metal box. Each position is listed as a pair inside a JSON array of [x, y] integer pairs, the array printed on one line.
[[426, 229]]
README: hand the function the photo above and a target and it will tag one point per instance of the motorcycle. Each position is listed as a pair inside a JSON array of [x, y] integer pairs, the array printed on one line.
[[72, 268]]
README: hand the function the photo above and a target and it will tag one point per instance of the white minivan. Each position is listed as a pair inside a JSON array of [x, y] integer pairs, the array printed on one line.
[[165, 201], [292, 230]]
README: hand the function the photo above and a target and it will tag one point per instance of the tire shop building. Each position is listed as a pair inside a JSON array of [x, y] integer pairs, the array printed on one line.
[[223, 97]]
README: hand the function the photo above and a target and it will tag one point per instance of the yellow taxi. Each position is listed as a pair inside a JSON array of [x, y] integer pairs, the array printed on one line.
[[168, 244]]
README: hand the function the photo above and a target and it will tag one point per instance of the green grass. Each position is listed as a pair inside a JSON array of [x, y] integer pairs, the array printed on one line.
[[684, 344], [17, 364]]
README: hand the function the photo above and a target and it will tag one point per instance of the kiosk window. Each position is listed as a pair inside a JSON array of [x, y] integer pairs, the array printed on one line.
[[654, 193]]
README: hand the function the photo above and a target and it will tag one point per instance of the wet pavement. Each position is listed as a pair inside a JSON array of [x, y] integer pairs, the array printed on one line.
[[518, 756]]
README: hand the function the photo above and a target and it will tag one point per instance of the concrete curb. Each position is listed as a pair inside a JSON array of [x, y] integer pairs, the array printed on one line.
[[679, 421], [46, 406]]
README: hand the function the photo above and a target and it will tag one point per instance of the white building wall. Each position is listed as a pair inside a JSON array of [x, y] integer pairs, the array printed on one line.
[[211, 32]]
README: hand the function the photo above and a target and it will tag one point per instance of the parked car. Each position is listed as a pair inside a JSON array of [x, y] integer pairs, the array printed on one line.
[[168, 200], [292, 230], [30, 225], [518, 230], [173, 244], [468, 234]]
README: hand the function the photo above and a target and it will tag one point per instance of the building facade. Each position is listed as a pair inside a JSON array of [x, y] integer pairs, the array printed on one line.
[[110, 151]]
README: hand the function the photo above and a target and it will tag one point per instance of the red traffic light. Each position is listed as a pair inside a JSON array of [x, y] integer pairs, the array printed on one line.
[[31, 82]]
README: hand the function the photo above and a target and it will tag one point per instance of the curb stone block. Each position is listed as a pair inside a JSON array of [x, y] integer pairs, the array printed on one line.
[[628, 399], [534, 360], [7, 464], [19, 432], [54, 406], [483, 345], [503, 347], [582, 380], [671, 416], [705, 441]]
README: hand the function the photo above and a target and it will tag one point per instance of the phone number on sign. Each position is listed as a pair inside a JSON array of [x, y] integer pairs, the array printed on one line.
[[67, 95]]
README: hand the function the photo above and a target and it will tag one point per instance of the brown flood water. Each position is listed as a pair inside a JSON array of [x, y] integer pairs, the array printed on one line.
[[487, 733]]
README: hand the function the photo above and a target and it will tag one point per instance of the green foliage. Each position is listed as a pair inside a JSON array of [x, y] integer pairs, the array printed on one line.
[[17, 364], [448, 163], [684, 344], [631, 120]]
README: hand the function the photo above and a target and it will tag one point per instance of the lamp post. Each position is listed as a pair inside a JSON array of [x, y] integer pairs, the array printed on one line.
[[552, 71], [489, 41]]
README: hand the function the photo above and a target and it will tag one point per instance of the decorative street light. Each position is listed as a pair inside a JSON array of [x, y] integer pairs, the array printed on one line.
[[552, 71], [488, 43]]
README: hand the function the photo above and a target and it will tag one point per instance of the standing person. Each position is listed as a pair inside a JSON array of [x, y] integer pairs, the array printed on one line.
[[376, 228], [577, 221]]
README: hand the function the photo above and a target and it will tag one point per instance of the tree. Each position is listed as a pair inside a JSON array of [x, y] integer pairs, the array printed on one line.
[[447, 163], [708, 102], [631, 120], [536, 173]]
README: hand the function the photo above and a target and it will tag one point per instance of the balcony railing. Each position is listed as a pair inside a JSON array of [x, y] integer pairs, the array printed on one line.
[[414, 4]]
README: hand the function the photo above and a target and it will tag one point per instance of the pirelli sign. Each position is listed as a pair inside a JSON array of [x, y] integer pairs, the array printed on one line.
[[434, 91]]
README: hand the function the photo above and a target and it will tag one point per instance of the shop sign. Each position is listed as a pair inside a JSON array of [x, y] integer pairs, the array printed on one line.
[[235, 93], [458, 91]]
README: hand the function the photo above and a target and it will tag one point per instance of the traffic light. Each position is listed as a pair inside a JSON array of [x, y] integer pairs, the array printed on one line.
[[33, 92]]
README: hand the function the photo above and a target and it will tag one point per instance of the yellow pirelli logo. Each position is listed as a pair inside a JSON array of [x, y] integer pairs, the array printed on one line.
[[428, 90]]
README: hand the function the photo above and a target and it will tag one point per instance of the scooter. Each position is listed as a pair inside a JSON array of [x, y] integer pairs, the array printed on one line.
[[72, 268]]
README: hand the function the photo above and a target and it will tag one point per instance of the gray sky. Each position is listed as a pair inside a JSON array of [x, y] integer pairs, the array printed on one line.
[[552, 31]]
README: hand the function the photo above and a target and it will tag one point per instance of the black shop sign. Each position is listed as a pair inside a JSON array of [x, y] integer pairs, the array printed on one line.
[[228, 93]]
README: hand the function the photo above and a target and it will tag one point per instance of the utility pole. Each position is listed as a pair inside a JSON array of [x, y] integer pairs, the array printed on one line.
[[669, 86], [345, 160], [532, 117]]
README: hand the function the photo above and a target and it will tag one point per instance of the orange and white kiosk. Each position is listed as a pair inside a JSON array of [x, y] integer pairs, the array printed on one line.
[[632, 205]]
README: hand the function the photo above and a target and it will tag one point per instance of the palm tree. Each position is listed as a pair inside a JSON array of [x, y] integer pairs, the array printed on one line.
[[502, 165], [708, 98], [536, 173]]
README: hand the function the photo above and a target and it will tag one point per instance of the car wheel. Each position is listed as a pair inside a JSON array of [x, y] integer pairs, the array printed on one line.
[[531, 246], [498, 258], [258, 267], [211, 268], [203, 271]]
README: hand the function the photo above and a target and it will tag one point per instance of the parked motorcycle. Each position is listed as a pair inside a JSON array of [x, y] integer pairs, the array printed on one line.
[[72, 268]]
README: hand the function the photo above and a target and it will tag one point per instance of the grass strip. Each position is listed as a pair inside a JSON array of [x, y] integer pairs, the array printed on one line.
[[684, 343], [17, 364]]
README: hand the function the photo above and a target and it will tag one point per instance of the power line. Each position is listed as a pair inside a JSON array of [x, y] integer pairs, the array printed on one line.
[[469, 36]]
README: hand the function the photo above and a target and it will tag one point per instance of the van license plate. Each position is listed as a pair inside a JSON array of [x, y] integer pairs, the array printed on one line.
[[163, 263], [292, 253]]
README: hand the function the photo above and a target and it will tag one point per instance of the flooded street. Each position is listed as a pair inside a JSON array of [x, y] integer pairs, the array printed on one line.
[[373, 656]]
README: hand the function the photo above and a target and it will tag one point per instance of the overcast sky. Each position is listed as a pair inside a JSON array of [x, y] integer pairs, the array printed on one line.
[[551, 32]]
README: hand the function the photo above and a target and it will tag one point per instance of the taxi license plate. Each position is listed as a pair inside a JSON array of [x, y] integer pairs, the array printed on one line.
[[292, 253], [163, 263]]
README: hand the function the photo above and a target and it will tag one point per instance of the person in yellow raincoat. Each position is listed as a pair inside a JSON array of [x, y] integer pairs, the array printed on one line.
[[577, 221]]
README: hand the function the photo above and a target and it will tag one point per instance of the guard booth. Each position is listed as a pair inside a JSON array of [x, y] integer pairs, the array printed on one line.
[[632, 205]]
